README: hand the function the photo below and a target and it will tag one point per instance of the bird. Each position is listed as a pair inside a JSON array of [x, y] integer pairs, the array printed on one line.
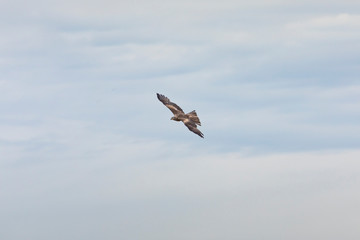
[[190, 120]]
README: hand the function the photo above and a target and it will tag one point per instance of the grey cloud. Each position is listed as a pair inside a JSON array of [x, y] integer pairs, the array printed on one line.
[[203, 195], [88, 152]]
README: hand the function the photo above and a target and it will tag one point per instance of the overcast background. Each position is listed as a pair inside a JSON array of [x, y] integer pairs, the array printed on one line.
[[88, 152]]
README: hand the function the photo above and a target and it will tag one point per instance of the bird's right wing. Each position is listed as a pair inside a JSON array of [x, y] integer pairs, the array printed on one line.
[[192, 127]]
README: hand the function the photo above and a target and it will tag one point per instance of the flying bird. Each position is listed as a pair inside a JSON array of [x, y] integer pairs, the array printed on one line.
[[190, 119]]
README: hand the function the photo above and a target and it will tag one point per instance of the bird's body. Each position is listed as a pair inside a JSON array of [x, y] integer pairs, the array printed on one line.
[[190, 119]]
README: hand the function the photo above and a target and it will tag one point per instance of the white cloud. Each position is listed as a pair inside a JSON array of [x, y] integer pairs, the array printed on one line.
[[325, 29], [340, 20]]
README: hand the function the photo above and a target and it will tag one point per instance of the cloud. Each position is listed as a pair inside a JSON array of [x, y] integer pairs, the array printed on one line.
[[88, 152], [192, 193], [325, 22]]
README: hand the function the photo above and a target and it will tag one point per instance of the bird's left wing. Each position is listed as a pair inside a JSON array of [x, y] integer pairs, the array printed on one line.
[[175, 109]]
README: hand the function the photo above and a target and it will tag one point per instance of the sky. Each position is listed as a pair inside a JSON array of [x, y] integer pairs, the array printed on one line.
[[88, 152]]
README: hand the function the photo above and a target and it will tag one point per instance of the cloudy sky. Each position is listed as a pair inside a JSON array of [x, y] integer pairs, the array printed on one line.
[[88, 152]]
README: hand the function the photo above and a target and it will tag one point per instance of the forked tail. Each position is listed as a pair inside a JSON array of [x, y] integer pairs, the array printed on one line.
[[193, 117]]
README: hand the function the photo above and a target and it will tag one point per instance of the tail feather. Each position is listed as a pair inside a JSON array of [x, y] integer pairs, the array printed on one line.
[[193, 117]]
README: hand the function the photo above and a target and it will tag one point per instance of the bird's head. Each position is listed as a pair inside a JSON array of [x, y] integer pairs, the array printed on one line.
[[172, 118]]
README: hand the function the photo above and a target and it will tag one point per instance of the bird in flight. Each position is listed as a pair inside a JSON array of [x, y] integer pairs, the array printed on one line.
[[190, 119]]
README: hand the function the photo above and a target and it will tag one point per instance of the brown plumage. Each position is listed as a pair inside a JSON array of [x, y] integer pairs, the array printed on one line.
[[191, 120]]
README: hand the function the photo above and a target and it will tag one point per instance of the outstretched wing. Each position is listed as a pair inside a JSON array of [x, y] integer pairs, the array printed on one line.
[[175, 109], [192, 127]]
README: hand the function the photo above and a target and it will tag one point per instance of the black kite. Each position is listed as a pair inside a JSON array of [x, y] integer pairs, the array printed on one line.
[[189, 119]]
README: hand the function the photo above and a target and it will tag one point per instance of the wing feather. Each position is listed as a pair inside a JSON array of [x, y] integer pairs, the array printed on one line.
[[175, 109], [192, 127]]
